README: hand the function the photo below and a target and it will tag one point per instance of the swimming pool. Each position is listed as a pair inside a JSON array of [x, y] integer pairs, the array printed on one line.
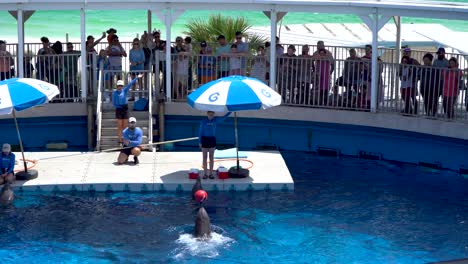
[[342, 211]]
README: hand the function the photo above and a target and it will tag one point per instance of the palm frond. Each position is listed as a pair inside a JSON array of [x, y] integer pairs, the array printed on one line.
[[202, 29]]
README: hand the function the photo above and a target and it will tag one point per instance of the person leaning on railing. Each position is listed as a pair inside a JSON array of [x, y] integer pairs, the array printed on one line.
[[287, 74], [305, 71], [350, 76], [259, 65], [137, 61], [70, 70], [91, 51], [44, 60], [6, 62], [206, 64], [430, 87], [409, 85], [452, 82], [222, 53], [115, 52], [323, 71]]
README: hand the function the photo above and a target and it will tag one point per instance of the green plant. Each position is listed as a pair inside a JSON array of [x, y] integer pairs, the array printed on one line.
[[202, 29]]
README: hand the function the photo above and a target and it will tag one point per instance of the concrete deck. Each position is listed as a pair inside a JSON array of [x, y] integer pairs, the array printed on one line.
[[157, 171]]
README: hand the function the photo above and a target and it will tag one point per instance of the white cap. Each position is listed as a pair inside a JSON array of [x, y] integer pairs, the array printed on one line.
[[6, 147], [132, 119], [120, 83]]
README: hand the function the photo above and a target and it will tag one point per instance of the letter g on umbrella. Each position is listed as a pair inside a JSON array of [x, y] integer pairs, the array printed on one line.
[[213, 97]]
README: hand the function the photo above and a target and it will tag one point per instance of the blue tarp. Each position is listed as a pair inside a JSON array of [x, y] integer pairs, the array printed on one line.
[[228, 153]]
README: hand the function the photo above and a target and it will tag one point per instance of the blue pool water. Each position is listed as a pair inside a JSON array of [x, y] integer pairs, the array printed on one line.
[[342, 211]]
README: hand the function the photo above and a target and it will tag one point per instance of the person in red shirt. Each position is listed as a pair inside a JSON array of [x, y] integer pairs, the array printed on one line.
[[452, 80]]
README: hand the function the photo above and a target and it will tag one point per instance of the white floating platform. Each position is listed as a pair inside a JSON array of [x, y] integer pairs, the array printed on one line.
[[157, 171]]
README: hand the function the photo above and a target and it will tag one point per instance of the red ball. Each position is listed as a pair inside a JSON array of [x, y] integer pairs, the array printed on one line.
[[201, 196]]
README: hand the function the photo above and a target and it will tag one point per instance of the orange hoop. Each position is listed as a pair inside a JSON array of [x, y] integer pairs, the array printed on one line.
[[34, 162], [249, 161]]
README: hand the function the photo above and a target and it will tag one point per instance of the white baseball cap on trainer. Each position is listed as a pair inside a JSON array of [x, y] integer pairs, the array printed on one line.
[[132, 119], [120, 83], [6, 147]]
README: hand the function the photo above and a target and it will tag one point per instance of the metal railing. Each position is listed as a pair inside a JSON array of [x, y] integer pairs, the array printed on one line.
[[337, 83], [425, 91], [338, 52], [324, 82]]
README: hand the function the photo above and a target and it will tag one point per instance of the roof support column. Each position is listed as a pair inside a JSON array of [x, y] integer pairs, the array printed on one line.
[[21, 17], [20, 51], [375, 66], [168, 23], [150, 23], [84, 56], [168, 15], [274, 18], [397, 55], [375, 23], [273, 50]]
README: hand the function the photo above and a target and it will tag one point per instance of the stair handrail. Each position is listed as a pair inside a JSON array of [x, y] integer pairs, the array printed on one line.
[[150, 109], [98, 109]]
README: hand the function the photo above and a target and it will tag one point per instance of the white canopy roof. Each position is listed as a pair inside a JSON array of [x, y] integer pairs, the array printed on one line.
[[456, 40], [358, 34], [431, 9]]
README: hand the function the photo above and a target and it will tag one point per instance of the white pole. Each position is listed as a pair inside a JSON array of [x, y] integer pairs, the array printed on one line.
[[83, 54], [168, 21], [20, 53], [375, 78], [66, 38], [273, 50], [398, 38], [398, 54]]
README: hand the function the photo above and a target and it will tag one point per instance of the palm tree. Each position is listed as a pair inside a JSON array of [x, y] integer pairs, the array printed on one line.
[[208, 30]]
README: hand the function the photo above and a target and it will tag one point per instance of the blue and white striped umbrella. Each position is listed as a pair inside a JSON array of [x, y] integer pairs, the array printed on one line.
[[234, 93], [23, 93]]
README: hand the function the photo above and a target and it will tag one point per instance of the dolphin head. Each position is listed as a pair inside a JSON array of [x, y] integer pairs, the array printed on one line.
[[6, 195]]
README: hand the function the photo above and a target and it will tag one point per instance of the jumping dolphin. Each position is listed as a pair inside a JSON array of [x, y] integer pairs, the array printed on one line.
[[197, 186], [6, 195], [202, 224]]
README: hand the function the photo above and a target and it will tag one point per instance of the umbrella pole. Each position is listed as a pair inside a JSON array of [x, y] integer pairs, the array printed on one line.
[[237, 139], [20, 141]]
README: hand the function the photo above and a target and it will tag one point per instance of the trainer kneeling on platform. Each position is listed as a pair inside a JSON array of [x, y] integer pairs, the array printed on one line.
[[7, 165], [132, 136]]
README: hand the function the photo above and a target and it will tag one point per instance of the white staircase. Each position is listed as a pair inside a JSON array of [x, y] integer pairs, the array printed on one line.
[[109, 138], [106, 123]]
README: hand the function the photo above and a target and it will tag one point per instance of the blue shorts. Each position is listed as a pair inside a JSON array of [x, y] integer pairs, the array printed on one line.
[[5, 170], [208, 142]]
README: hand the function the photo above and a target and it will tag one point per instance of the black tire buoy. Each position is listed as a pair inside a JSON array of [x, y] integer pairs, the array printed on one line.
[[238, 172], [26, 175]]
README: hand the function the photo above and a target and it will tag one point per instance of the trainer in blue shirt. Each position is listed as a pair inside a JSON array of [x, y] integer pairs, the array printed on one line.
[[119, 100], [207, 138], [7, 165], [132, 136]]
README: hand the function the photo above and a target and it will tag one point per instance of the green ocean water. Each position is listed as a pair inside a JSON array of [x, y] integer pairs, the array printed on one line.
[[55, 24]]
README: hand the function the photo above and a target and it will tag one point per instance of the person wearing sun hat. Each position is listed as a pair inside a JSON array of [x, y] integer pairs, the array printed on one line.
[[110, 33], [206, 65], [7, 165], [133, 137]]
